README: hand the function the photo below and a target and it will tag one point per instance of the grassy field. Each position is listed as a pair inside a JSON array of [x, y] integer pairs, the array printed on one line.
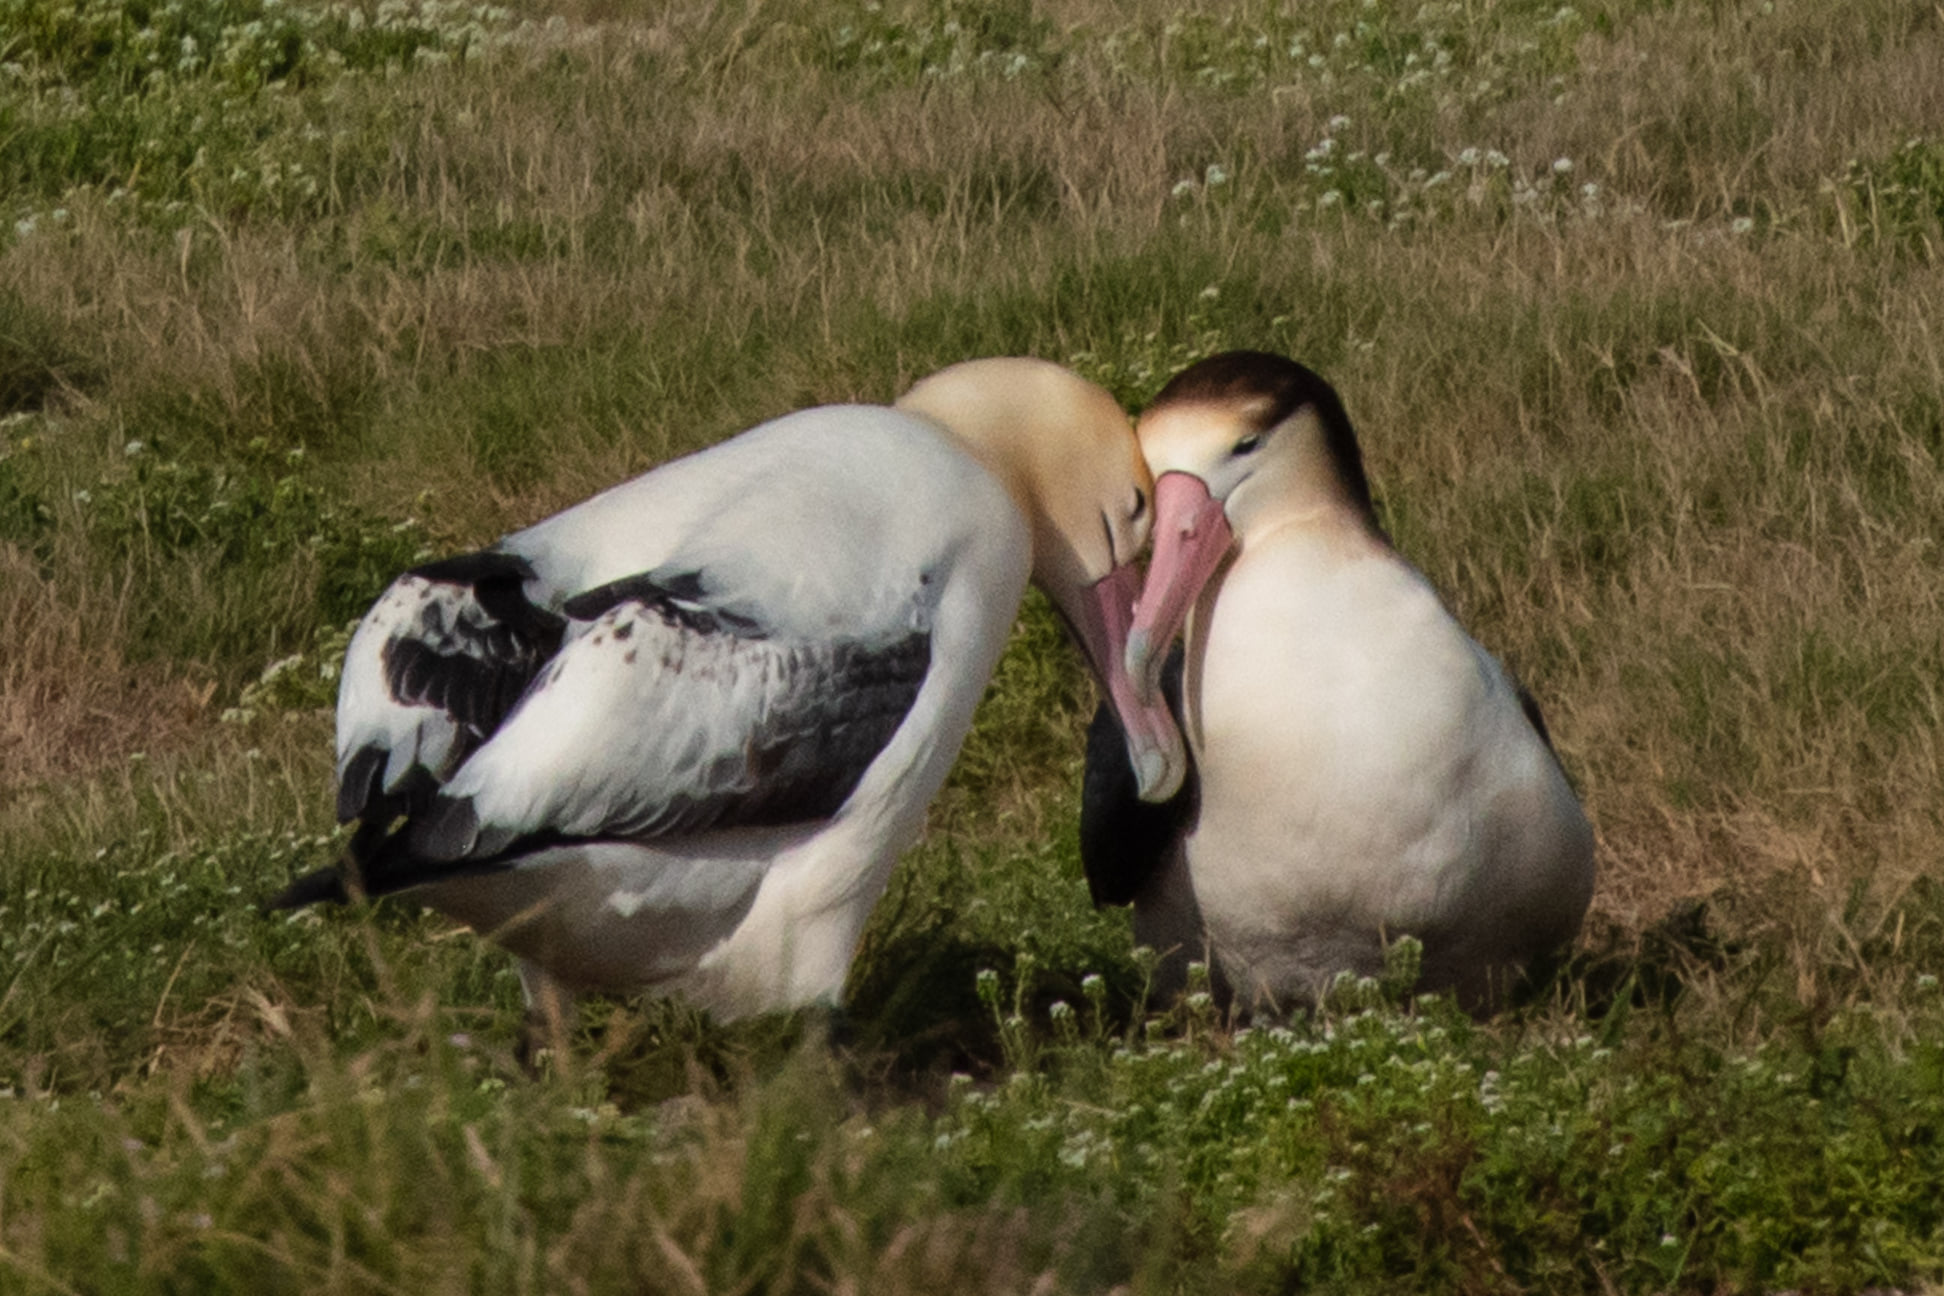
[[1637, 304]]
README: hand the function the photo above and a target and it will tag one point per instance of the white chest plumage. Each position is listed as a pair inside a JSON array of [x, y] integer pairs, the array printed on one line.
[[1364, 769]]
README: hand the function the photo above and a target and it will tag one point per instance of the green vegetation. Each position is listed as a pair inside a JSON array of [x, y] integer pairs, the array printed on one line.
[[1634, 304]]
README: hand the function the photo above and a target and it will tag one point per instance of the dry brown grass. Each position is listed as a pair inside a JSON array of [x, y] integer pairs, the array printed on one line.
[[69, 701]]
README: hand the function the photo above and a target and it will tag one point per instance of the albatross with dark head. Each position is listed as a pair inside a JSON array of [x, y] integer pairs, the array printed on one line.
[[1361, 769], [675, 737]]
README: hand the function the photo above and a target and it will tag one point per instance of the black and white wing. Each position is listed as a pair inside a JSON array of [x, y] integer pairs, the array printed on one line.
[[1123, 839], [663, 714], [432, 670]]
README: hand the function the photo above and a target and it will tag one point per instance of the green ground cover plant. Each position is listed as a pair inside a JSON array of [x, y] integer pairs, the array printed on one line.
[[1636, 308]]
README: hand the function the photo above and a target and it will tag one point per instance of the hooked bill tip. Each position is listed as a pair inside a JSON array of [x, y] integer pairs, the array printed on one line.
[[1157, 777]]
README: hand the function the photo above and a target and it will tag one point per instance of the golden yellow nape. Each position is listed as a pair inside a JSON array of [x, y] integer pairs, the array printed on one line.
[[1066, 454], [1064, 450]]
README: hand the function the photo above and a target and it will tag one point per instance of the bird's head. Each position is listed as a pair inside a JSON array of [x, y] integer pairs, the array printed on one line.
[[1238, 443], [1066, 453]]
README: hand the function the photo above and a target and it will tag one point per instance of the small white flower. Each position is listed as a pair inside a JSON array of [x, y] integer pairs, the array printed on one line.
[[1562, 166], [1215, 175], [133, 448], [1469, 157], [1742, 224], [1330, 198], [1339, 122], [1182, 188], [1497, 160]]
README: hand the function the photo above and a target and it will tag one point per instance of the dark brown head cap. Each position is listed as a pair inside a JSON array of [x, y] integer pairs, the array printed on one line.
[[1264, 389]]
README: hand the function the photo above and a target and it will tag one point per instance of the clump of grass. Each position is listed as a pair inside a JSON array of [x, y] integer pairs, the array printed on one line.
[[1382, 1141], [244, 526], [1899, 199], [39, 358], [935, 41], [26, 518], [183, 106]]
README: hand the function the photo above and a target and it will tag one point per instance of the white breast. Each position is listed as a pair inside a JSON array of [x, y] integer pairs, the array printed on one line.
[[1365, 767]]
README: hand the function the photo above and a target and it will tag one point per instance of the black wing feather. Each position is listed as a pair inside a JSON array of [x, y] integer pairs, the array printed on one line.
[[1534, 716], [680, 598], [464, 641], [473, 651], [826, 710], [1123, 839], [811, 756]]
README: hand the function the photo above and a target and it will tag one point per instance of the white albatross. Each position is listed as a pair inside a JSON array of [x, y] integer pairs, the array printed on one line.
[[675, 737], [1361, 769]]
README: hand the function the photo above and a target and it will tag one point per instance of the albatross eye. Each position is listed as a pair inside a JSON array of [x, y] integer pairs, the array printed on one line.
[[1246, 444]]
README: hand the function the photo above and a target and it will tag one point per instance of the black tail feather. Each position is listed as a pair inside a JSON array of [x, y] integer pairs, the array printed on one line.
[[321, 886], [372, 853], [381, 858]]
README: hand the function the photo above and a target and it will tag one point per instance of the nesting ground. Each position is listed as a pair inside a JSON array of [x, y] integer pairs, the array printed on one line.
[[1636, 305]]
